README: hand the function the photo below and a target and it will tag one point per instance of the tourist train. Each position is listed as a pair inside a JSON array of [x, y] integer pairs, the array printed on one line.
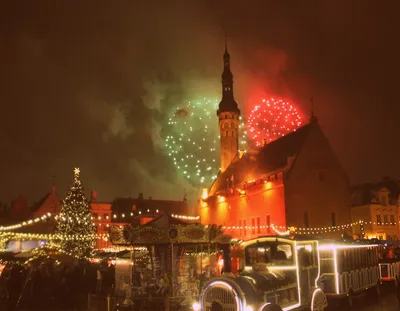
[[389, 263], [288, 273]]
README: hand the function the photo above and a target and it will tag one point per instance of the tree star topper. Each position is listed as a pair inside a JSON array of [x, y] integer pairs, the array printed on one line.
[[77, 171]]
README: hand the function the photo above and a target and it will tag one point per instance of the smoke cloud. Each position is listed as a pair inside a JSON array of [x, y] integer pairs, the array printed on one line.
[[93, 84]]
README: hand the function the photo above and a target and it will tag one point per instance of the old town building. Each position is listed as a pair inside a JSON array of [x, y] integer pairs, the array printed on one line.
[[119, 212], [377, 207], [137, 211], [295, 181]]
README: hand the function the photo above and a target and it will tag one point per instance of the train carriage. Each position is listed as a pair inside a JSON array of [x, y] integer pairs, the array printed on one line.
[[277, 273], [348, 270], [389, 263], [389, 270]]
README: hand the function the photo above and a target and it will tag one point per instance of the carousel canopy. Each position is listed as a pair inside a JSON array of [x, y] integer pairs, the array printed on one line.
[[164, 229]]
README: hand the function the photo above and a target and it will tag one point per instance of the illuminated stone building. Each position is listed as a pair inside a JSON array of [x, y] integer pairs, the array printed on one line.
[[296, 180], [377, 206]]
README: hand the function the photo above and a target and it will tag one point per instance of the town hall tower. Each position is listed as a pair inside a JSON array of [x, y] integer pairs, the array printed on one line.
[[228, 115]]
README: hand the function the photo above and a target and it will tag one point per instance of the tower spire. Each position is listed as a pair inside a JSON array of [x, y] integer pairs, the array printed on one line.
[[226, 42], [228, 102], [228, 115]]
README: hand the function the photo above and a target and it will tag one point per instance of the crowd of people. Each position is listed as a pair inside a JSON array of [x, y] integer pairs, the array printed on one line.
[[51, 285]]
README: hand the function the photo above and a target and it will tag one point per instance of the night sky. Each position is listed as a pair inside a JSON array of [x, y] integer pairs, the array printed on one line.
[[91, 84]]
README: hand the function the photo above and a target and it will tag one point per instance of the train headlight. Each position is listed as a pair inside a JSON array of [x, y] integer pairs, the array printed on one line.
[[196, 307], [248, 308]]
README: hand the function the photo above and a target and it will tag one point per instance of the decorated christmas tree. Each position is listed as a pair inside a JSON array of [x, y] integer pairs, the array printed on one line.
[[74, 223]]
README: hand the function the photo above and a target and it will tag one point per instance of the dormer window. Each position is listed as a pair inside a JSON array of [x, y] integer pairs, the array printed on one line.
[[384, 199]]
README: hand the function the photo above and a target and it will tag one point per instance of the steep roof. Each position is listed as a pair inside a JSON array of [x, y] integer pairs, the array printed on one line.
[[363, 194], [38, 204], [271, 158]]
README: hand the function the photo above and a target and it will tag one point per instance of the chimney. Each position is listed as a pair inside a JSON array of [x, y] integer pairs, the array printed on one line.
[[140, 197], [93, 197]]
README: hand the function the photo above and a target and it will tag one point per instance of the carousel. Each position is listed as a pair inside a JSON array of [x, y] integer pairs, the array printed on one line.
[[170, 261]]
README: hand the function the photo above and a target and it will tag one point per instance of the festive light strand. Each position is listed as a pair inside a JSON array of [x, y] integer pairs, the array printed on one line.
[[26, 223]]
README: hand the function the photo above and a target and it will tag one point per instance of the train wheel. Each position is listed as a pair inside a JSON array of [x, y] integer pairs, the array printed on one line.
[[319, 301]]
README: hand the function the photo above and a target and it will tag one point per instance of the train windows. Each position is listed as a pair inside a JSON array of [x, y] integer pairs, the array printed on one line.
[[340, 260], [307, 255], [327, 261], [270, 252], [345, 260]]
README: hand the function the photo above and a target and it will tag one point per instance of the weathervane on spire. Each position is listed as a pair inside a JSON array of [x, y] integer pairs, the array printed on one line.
[[76, 171], [226, 41]]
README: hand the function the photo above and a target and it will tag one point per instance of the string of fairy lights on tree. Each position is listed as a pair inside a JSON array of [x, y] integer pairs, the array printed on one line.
[[192, 141], [270, 119], [75, 219]]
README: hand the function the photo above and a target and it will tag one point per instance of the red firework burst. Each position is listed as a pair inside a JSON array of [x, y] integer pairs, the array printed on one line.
[[271, 119]]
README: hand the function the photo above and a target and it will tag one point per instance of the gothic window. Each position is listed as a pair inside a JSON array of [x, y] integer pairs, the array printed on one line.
[[306, 223], [333, 219], [268, 223], [384, 200]]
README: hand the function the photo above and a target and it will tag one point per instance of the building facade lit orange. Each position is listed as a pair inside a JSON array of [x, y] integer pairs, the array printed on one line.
[[295, 182]]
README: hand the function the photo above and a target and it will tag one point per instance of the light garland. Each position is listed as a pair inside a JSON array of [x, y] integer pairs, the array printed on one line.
[[302, 231], [27, 222], [184, 217], [49, 216]]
